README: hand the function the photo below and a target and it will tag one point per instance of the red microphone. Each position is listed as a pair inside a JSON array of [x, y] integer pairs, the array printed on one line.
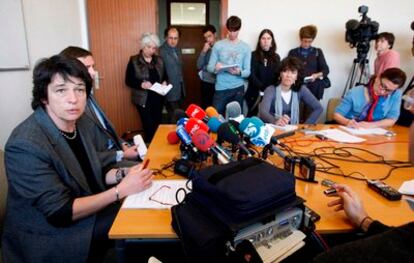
[[194, 124], [205, 143], [172, 138], [195, 111]]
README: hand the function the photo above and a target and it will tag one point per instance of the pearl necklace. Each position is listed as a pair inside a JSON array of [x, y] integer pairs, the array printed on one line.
[[64, 134]]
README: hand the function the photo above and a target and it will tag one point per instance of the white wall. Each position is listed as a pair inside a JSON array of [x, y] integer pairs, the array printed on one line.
[[285, 17], [51, 25]]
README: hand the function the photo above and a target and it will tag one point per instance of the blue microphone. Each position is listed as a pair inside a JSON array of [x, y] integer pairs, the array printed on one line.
[[182, 121], [213, 124], [185, 137]]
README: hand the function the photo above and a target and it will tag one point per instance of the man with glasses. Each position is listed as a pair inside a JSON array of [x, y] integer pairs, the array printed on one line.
[[230, 61], [375, 105], [171, 55]]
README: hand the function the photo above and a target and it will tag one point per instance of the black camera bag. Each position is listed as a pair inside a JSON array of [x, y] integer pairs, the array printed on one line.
[[226, 198]]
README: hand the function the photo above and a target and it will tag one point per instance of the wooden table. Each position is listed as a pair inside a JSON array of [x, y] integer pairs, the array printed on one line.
[[155, 224]]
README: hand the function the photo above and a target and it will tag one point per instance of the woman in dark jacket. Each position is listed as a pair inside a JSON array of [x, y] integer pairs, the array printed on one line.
[[144, 70], [315, 66], [264, 66]]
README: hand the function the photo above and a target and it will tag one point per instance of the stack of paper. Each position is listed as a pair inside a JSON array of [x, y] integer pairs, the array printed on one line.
[[340, 136], [161, 195], [286, 128], [161, 89], [364, 131]]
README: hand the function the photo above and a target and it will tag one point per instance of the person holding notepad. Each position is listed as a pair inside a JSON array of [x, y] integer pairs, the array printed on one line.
[[230, 61], [375, 105], [143, 70]]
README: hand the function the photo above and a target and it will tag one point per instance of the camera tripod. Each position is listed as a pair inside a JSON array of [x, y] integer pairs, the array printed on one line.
[[360, 69]]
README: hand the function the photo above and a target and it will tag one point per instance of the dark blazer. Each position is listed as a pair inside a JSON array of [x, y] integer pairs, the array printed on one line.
[[43, 174], [174, 67], [101, 135]]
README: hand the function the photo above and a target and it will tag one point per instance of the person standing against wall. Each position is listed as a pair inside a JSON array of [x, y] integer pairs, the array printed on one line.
[[208, 79], [230, 61], [172, 57]]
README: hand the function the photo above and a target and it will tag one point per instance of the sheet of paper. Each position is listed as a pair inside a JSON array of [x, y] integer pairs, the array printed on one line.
[[363, 131], [161, 89], [161, 195], [227, 67], [341, 136], [407, 188], [286, 128]]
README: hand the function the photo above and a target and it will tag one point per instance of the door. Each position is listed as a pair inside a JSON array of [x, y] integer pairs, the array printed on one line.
[[114, 31]]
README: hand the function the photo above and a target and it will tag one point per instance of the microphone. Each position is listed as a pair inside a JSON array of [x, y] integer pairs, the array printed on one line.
[[182, 121], [251, 126], [195, 111], [212, 112], [275, 139], [185, 138], [412, 25], [194, 124], [213, 124], [233, 110], [229, 133], [172, 138], [205, 143]]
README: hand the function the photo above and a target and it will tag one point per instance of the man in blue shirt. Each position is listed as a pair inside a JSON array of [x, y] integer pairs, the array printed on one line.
[[230, 60]]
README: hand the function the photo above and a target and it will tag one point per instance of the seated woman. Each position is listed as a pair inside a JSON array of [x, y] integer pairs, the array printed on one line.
[[264, 66], [60, 203], [280, 103], [375, 105], [143, 70]]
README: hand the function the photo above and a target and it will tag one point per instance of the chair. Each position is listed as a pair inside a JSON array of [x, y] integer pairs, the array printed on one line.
[[332, 104], [3, 195]]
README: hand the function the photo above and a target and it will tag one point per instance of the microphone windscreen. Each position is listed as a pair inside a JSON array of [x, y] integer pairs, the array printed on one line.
[[202, 140], [182, 121], [213, 123], [179, 114], [194, 124], [352, 24], [412, 25], [183, 135], [228, 133], [250, 127], [172, 138], [212, 112], [233, 110], [235, 124], [194, 111], [257, 121]]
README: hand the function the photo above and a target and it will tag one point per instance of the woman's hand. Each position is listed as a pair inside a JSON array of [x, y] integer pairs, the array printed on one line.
[[146, 85], [351, 204], [283, 120], [136, 180]]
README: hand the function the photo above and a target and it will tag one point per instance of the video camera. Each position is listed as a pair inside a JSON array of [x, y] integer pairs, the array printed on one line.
[[359, 34]]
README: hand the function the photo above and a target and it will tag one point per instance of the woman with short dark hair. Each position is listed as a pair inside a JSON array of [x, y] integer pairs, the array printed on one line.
[[376, 104], [61, 201], [281, 102]]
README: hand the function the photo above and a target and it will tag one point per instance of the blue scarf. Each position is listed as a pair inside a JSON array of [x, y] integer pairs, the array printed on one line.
[[294, 106]]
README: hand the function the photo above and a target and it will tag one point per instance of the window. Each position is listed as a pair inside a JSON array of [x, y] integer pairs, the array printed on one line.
[[188, 13]]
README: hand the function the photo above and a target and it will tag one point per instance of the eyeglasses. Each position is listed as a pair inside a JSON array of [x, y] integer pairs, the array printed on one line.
[[173, 38], [159, 193], [384, 88]]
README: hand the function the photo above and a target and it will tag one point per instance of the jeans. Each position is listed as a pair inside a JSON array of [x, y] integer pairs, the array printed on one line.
[[223, 97]]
